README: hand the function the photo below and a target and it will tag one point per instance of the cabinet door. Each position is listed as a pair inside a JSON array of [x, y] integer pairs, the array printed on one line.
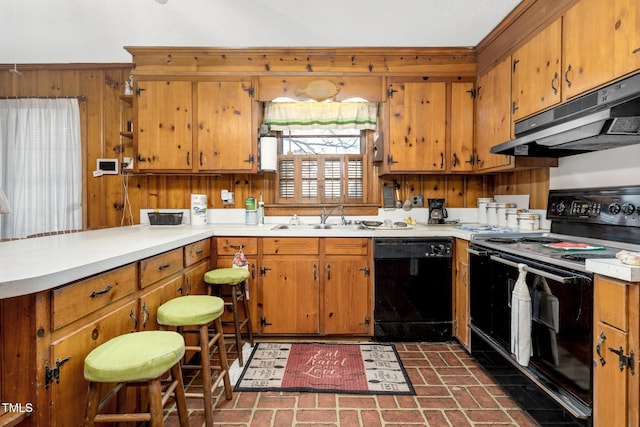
[[226, 140], [626, 37], [290, 295], [461, 294], [68, 397], [252, 289], [493, 115], [194, 283], [154, 298], [346, 296], [417, 124], [535, 83], [610, 384], [461, 127], [588, 46], [164, 115]]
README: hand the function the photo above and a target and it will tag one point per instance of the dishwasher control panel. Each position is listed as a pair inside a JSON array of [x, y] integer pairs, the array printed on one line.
[[386, 248]]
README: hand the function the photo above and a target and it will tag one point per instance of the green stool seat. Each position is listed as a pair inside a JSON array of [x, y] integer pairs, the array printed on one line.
[[226, 276], [138, 356], [133, 360], [190, 310]]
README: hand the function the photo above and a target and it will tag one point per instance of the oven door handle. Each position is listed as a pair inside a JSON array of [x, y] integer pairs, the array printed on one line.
[[477, 252], [545, 274]]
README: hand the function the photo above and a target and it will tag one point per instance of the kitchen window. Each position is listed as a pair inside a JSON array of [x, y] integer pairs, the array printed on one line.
[[321, 151]]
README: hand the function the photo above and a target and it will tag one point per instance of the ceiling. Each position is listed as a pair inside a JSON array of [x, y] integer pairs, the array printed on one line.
[[76, 31]]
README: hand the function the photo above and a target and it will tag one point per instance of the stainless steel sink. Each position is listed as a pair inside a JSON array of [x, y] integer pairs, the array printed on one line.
[[319, 227]]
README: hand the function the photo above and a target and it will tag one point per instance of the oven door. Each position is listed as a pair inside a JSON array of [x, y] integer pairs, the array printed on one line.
[[561, 321]]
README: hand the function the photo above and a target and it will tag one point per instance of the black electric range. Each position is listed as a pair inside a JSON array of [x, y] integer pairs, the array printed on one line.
[[585, 223]]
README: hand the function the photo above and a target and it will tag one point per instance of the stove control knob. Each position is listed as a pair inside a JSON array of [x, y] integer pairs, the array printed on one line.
[[561, 207], [628, 209], [614, 208]]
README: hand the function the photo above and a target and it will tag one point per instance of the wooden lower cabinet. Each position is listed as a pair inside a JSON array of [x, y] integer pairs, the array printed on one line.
[[347, 287], [306, 286], [42, 355], [153, 297], [461, 319], [616, 387], [290, 286], [68, 396]]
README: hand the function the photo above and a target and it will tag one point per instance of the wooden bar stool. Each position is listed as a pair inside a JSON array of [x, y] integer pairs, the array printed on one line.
[[138, 358], [203, 312], [236, 279]]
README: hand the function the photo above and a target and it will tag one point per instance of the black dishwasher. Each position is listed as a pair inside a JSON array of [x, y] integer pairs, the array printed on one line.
[[413, 294]]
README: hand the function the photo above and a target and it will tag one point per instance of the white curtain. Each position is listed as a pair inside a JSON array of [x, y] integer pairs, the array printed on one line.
[[320, 115], [40, 166]]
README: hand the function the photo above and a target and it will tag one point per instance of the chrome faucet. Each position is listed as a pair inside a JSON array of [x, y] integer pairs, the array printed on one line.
[[324, 215]]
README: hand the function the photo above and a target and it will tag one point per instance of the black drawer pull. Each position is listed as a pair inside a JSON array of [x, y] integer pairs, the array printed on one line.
[[164, 266], [104, 291]]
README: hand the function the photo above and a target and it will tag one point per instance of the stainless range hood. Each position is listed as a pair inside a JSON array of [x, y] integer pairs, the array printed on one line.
[[603, 119]]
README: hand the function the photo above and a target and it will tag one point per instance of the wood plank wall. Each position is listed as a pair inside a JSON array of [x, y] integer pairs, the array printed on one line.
[[108, 205]]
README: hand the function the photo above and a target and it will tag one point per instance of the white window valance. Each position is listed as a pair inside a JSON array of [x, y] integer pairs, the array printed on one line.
[[320, 115]]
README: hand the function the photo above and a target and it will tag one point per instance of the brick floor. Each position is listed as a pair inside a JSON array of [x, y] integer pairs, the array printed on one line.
[[451, 390]]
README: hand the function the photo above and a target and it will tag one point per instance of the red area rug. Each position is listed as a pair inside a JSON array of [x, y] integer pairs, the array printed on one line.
[[325, 368]]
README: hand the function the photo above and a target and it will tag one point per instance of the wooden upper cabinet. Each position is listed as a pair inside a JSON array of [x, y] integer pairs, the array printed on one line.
[[461, 127], [626, 37], [493, 115], [225, 137], [163, 139], [223, 110], [417, 124], [536, 73], [589, 52]]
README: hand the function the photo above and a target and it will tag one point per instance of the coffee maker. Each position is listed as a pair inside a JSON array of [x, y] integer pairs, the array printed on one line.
[[437, 211]]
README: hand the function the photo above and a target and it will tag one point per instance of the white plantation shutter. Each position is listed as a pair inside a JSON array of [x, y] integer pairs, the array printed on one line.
[[341, 178]]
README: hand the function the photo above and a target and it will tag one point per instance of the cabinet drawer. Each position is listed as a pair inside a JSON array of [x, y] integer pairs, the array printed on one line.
[[290, 246], [75, 301], [346, 246], [160, 266], [610, 298], [196, 252], [230, 245]]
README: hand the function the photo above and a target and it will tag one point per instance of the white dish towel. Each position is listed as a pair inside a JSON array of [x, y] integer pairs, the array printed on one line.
[[521, 319]]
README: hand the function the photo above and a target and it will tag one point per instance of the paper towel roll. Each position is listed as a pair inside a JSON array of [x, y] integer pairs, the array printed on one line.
[[198, 209], [268, 153]]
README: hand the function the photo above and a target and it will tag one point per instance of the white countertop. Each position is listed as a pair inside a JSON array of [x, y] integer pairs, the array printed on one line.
[[613, 268], [33, 265]]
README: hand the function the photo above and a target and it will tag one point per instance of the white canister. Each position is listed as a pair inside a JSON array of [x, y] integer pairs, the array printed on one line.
[[198, 209], [482, 209], [511, 216], [492, 213], [501, 209], [528, 221]]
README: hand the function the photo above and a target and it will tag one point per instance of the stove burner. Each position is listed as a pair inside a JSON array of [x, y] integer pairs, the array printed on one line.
[[582, 256], [530, 239], [504, 239], [539, 240]]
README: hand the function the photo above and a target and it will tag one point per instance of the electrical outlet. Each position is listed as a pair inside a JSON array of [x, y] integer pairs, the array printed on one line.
[[417, 201]]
